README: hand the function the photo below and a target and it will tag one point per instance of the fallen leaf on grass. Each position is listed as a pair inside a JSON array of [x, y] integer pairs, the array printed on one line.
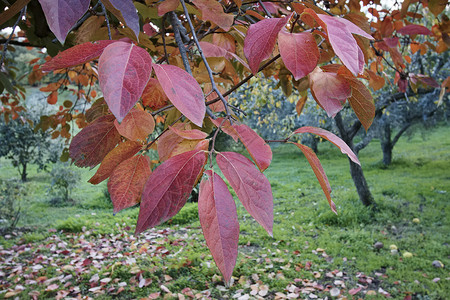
[[354, 291]]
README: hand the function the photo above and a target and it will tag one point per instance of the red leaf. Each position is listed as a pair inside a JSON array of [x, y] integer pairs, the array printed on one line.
[[168, 141], [61, 15], [213, 11], [52, 98], [94, 142], [299, 52], [354, 291], [251, 186], [329, 90], [168, 188], [137, 125], [260, 40], [339, 32], [332, 138], [122, 152], [315, 164], [193, 134], [183, 91], [412, 29], [127, 181], [149, 30], [258, 149], [166, 6], [211, 50], [126, 12], [361, 102], [76, 55], [218, 218], [124, 70], [153, 95]]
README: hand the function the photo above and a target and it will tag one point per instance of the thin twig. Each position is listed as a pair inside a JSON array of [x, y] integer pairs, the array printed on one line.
[[214, 141], [264, 8], [163, 35], [208, 68], [176, 31], [5, 45], [107, 20], [159, 135]]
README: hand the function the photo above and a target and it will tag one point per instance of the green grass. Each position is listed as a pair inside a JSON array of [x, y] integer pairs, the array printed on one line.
[[308, 237]]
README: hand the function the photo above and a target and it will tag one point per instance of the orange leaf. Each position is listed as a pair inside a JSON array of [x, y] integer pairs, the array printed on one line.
[[137, 125]]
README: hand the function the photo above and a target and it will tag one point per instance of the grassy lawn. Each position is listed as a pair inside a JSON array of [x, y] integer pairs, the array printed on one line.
[[83, 250]]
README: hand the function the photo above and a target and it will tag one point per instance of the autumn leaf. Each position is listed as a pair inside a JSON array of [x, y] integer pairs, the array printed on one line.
[[127, 181], [213, 11], [299, 52], [153, 95], [183, 91], [94, 142], [189, 134], [62, 15], [167, 6], [250, 185], [124, 70], [136, 126], [361, 102], [329, 90], [315, 164], [413, 29], [258, 149], [260, 40], [125, 11], [168, 188], [332, 138], [76, 55], [122, 152], [218, 218]]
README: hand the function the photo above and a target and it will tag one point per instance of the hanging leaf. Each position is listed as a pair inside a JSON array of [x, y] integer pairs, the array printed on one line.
[[329, 90], [167, 6], [260, 40], [62, 15], [127, 181], [334, 139], [299, 52], [213, 11], [413, 29], [251, 186], [137, 125], [218, 218], [122, 152], [315, 164], [258, 149], [124, 70], [168, 188], [361, 102], [192, 134], [94, 142], [126, 12], [76, 55], [183, 91]]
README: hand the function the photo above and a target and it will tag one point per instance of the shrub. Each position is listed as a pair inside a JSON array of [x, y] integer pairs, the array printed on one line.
[[10, 209], [188, 214], [63, 180]]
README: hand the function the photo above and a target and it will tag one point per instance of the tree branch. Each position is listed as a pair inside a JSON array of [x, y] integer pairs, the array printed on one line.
[[5, 45]]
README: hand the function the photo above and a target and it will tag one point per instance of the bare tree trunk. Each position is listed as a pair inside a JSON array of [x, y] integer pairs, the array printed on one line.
[[355, 170], [23, 174], [386, 143]]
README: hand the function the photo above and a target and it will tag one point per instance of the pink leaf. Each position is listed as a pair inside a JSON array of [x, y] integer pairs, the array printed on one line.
[[124, 70], [251, 186], [315, 164], [125, 10], [127, 181], [168, 188], [191, 134], [76, 55], [258, 149], [412, 29], [218, 218], [61, 15], [299, 52], [213, 11], [260, 40], [329, 90], [332, 138], [354, 291], [166, 6], [339, 32], [183, 91]]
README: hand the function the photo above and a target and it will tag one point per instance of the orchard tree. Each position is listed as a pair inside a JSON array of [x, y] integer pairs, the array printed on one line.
[[172, 64]]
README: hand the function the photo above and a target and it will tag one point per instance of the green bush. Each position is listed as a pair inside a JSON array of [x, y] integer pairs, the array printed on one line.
[[188, 214], [63, 180], [10, 210], [100, 202]]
